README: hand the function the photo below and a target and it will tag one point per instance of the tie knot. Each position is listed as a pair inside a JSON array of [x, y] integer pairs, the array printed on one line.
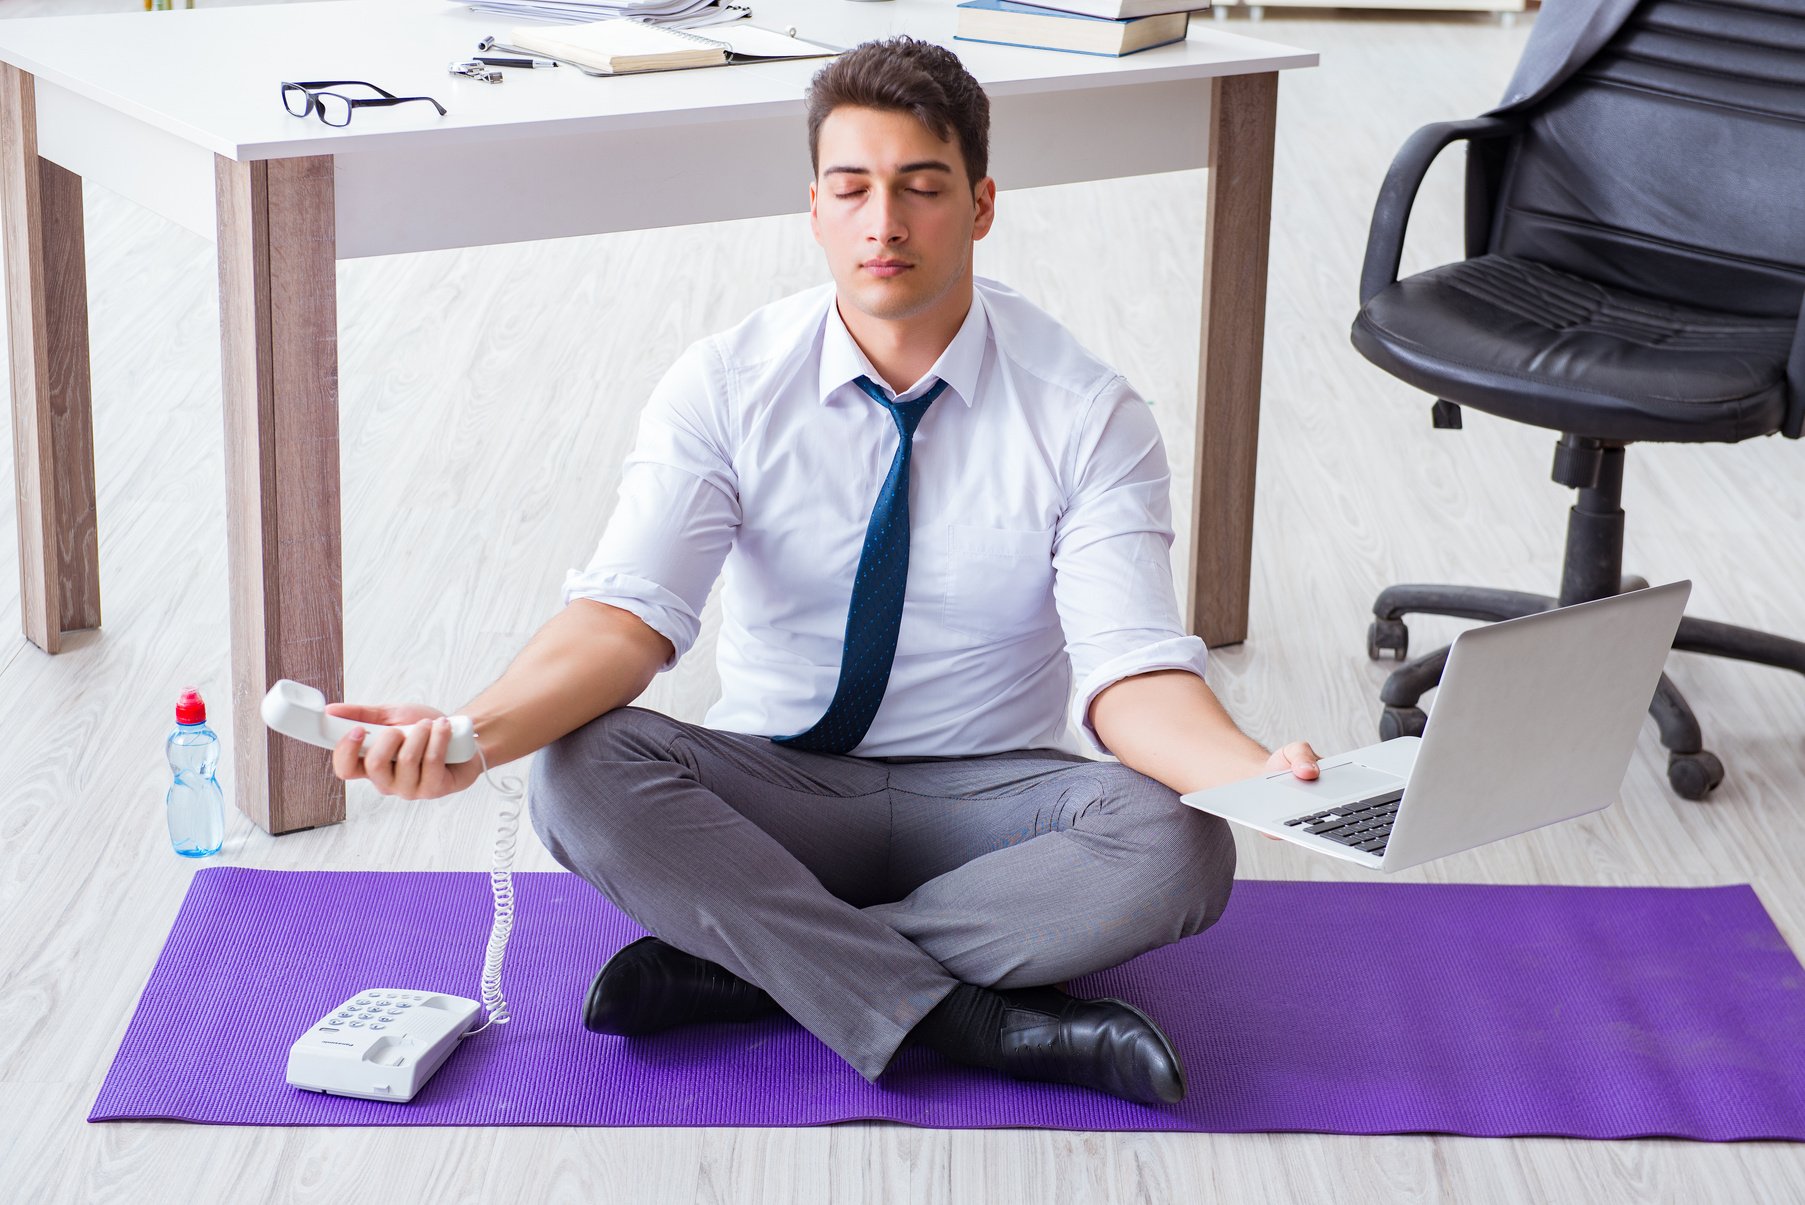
[[907, 414]]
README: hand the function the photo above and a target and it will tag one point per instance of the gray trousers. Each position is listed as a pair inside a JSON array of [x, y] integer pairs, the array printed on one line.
[[859, 891]]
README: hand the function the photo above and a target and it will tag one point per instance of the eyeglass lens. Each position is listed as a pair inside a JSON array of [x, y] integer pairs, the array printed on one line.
[[296, 100], [335, 110]]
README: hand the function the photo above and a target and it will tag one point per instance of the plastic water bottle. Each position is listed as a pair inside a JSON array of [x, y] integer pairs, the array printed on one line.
[[196, 805]]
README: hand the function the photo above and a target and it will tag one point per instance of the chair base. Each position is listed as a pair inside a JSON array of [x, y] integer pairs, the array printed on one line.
[[1692, 771]]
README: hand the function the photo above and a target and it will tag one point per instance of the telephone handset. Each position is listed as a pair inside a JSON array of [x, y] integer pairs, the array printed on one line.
[[385, 1043]]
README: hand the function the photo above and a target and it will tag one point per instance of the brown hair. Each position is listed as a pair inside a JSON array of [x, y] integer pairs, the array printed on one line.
[[904, 74]]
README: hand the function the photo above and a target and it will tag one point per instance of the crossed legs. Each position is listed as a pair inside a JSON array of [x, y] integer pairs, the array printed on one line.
[[859, 892]]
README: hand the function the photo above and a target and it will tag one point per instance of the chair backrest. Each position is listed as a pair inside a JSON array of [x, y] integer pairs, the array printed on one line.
[[1673, 163]]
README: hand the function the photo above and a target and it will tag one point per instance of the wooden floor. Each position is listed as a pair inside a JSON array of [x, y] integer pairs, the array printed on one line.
[[488, 398]]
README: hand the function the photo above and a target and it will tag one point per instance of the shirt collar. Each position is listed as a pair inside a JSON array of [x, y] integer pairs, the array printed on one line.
[[842, 362]]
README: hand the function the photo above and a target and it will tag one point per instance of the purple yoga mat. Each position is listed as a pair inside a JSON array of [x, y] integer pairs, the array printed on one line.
[[1354, 1008]]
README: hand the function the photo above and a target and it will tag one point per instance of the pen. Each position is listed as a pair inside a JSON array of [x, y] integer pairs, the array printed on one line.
[[494, 60]]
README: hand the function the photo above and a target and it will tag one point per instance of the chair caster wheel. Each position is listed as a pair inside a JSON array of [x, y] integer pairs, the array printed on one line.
[[1402, 721], [1694, 775], [1387, 636]]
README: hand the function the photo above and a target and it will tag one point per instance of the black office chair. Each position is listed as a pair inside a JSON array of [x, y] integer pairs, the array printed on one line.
[[1635, 268]]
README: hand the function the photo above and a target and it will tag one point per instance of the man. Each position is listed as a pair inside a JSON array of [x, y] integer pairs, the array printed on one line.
[[932, 507]]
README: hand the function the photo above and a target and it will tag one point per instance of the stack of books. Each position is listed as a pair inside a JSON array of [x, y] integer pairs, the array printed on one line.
[[1106, 27]]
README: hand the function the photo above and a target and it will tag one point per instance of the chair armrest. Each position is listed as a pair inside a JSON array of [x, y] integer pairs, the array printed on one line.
[[1792, 423], [1391, 214]]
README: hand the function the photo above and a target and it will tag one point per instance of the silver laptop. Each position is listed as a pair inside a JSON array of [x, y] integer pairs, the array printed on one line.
[[1534, 722]]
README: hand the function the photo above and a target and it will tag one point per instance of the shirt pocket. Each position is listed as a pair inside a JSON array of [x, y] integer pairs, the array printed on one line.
[[999, 580]]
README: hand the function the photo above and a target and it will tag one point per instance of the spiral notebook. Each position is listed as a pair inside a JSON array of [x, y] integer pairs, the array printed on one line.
[[620, 47]]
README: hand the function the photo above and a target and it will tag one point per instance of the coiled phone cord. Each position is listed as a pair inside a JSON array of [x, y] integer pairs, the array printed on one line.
[[501, 884]]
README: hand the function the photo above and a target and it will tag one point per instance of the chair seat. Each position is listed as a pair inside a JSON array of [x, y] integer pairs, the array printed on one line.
[[1526, 342]]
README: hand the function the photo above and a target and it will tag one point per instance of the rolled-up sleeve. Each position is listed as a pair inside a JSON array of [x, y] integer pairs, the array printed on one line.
[[678, 511], [1112, 566]]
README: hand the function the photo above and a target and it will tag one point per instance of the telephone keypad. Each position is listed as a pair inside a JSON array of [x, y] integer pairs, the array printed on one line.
[[372, 1010]]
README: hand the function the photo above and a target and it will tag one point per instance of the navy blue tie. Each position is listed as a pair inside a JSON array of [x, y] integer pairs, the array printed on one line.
[[877, 596]]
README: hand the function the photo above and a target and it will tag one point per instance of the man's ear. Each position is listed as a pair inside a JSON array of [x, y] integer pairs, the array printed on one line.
[[814, 219], [984, 196]]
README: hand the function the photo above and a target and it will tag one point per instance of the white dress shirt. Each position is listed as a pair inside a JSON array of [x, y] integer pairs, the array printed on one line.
[[1039, 534]]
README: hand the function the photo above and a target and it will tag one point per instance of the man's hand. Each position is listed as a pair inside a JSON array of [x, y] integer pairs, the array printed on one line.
[[408, 763], [1296, 757]]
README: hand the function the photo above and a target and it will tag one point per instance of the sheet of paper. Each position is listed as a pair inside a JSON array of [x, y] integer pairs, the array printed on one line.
[[759, 42]]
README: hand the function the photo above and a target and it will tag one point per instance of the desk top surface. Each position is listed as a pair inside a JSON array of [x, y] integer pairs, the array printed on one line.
[[211, 76]]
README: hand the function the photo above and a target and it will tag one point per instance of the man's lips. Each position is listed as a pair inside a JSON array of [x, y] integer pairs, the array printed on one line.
[[879, 267]]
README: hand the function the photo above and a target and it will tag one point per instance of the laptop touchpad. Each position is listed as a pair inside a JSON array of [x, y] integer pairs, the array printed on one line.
[[1344, 782]]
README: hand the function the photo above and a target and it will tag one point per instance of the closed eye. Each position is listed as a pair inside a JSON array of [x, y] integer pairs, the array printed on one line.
[[920, 192]]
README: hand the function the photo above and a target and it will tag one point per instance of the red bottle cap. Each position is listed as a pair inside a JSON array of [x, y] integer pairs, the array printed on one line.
[[189, 709]]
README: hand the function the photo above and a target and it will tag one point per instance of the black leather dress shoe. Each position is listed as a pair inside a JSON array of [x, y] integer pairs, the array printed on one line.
[[650, 985], [1108, 1045]]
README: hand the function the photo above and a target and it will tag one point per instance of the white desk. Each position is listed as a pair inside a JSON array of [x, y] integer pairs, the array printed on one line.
[[180, 111]]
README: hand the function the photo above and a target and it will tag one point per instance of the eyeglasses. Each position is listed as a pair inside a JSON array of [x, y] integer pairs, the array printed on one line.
[[335, 108]]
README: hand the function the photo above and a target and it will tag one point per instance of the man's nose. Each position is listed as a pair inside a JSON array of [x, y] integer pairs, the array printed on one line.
[[886, 220]]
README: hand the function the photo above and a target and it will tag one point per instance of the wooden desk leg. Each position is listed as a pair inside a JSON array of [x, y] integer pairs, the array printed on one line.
[[1237, 221], [278, 316], [53, 416]]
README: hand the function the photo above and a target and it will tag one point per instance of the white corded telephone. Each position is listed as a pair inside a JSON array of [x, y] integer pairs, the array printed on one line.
[[385, 1043]]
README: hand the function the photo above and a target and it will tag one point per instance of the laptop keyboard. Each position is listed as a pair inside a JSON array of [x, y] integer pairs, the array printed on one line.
[[1364, 824]]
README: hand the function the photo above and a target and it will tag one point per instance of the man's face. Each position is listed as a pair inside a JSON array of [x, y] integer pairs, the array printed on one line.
[[894, 211]]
